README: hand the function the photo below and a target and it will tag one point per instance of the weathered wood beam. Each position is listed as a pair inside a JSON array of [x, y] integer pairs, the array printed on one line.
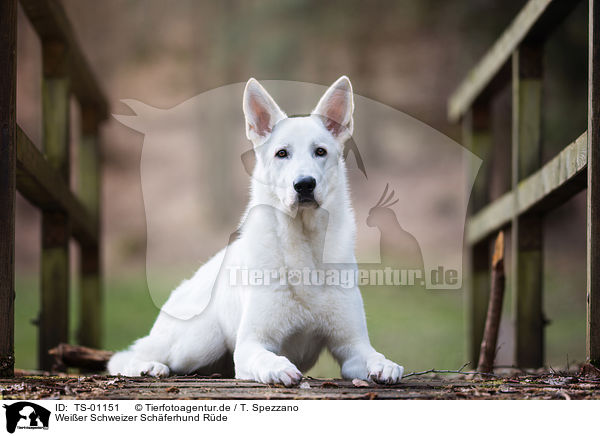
[[39, 183], [74, 356], [8, 152], [477, 137], [593, 192], [53, 326], [550, 186], [90, 310], [52, 24], [526, 230], [534, 23]]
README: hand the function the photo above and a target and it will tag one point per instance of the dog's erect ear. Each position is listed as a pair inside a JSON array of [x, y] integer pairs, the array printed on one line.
[[261, 112], [336, 108]]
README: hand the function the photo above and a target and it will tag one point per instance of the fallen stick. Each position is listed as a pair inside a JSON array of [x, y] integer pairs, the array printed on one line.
[[487, 353], [77, 356]]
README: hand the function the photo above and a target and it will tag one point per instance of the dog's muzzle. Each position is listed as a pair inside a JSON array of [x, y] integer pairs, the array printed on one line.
[[305, 187]]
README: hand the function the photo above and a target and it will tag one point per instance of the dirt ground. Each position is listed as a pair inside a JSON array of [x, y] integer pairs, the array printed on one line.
[[584, 384]]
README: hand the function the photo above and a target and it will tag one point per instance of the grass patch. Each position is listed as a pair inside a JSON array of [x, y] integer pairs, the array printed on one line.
[[416, 328]]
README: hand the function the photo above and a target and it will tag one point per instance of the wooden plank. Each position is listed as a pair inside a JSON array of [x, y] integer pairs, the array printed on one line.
[[477, 137], [593, 192], [89, 161], [90, 311], [52, 24], [53, 327], [534, 23], [39, 183], [8, 80], [514, 385], [526, 230], [550, 186], [55, 107], [491, 218]]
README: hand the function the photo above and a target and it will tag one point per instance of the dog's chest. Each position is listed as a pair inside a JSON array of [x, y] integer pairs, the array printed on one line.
[[302, 323], [300, 241], [303, 313], [303, 348]]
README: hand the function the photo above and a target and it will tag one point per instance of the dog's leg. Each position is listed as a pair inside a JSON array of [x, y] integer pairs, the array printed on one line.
[[128, 364], [360, 360], [350, 346], [147, 356], [173, 346], [186, 334], [254, 362]]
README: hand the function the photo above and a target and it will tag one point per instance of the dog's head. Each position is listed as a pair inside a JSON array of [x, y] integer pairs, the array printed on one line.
[[299, 158]]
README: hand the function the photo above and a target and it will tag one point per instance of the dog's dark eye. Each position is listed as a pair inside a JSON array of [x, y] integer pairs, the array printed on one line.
[[320, 151], [282, 153]]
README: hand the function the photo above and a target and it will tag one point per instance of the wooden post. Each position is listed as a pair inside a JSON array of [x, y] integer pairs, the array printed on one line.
[[90, 310], [8, 156], [527, 230], [593, 191], [54, 316], [477, 137]]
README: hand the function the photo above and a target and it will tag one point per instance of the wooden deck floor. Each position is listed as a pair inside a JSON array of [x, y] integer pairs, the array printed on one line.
[[173, 388]]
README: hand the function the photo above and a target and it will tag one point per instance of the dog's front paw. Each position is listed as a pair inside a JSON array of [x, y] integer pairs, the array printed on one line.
[[385, 372], [282, 371], [154, 369]]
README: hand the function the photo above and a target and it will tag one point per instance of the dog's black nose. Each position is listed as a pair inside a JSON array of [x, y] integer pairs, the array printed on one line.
[[305, 185]]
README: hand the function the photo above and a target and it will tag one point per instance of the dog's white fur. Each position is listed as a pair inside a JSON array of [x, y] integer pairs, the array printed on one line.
[[274, 332]]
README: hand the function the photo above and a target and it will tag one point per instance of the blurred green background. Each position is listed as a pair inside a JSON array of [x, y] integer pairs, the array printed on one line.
[[407, 54]]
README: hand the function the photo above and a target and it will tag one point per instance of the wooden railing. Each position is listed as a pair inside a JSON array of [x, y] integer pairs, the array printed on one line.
[[43, 178], [516, 58]]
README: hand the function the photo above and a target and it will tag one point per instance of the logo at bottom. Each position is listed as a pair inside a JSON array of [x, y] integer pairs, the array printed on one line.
[[26, 415]]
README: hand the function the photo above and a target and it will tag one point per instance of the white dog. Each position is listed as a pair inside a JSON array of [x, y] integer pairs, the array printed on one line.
[[299, 214]]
